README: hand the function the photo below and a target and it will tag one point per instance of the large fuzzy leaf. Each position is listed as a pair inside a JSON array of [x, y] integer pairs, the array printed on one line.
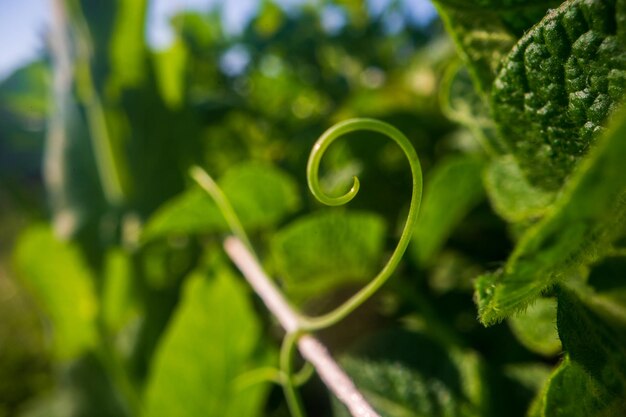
[[486, 30], [559, 85], [211, 341], [578, 229], [400, 383]]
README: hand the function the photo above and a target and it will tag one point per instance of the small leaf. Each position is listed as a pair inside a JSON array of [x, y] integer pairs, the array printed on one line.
[[211, 340], [511, 196], [578, 229], [535, 328], [557, 88], [61, 282], [453, 188], [325, 250], [260, 194]]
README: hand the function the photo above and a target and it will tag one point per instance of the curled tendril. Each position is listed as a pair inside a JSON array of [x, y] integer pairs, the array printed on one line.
[[306, 324], [332, 134]]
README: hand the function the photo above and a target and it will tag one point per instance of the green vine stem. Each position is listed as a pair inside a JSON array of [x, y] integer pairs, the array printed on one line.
[[286, 364], [320, 147], [210, 186]]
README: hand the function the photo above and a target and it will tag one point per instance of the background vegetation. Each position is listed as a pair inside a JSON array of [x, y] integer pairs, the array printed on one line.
[[116, 298]]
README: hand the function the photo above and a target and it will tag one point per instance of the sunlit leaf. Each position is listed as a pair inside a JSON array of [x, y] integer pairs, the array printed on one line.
[[170, 71], [211, 341], [118, 302], [128, 50], [61, 282], [260, 194]]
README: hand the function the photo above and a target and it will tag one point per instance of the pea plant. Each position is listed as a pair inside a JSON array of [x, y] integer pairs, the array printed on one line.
[[184, 269]]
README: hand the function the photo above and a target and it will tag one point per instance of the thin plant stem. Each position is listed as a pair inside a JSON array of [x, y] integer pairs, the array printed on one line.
[[210, 186], [332, 134], [109, 161], [294, 402]]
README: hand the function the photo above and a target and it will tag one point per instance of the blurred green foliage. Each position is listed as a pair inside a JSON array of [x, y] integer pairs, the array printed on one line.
[[116, 298]]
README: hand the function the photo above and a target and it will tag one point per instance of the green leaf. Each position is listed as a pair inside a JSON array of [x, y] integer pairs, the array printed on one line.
[[486, 30], [128, 50], [26, 92], [453, 188], [397, 382], [170, 72], [261, 195], [211, 341], [556, 89], [592, 379], [511, 196], [325, 250], [535, 328], [570, 392], [191, 212], [118, 298], [595, 341], [578, 229], [61, 282]]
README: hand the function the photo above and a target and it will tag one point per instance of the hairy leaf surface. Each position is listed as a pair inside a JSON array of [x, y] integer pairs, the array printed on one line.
[[579, 229], [486, 30], [399, 383], [559, 85]]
